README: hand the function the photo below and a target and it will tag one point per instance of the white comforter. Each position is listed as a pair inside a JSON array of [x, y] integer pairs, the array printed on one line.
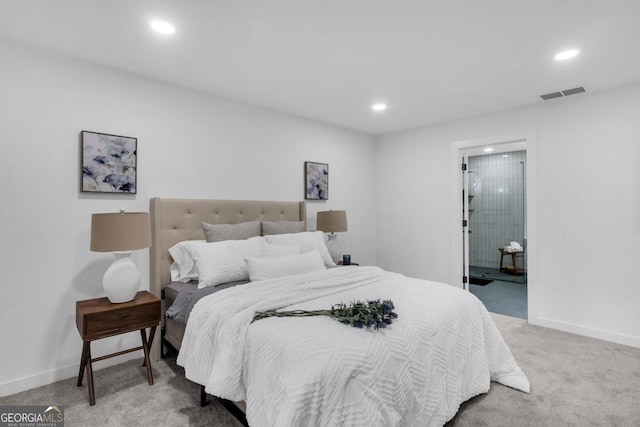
[[443, 349]]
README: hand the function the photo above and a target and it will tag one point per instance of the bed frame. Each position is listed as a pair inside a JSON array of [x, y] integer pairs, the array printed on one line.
[[175, 220]]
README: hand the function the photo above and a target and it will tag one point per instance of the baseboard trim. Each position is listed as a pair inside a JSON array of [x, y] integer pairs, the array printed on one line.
[[49, 377], [601, 334]]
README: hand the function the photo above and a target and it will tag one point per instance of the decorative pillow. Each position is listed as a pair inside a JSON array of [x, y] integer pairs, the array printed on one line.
[[272, 268], [221, 262], [270, 251], [183, 268], [220, 232], [308, 241], [283, 227]]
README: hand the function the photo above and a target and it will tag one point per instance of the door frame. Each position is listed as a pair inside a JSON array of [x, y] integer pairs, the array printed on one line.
[[460, 148]]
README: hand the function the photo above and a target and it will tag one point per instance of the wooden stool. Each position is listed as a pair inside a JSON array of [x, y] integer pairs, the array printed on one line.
[[514, 256]]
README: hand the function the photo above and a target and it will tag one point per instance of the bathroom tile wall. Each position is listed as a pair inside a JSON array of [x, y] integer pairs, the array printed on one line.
[[496, 204]]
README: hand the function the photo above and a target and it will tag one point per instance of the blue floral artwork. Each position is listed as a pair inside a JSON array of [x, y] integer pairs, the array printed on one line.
[[109, 163], [316, 181]]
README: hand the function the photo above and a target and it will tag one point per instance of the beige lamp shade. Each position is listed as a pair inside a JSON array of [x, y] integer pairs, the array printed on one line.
[[116, 232], [332, 221]]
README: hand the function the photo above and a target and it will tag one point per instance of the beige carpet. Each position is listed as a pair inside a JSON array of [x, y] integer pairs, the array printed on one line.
[[575, 381], [124, 398]]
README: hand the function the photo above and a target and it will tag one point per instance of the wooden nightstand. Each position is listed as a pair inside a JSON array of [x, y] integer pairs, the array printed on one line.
[[346, 265], [99, 318]]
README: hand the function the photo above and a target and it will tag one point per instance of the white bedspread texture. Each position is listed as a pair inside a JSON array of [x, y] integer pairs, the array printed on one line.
[[315, 371]]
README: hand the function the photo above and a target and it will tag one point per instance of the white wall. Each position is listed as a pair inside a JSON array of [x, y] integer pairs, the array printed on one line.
[[588, 206], [190, 145]]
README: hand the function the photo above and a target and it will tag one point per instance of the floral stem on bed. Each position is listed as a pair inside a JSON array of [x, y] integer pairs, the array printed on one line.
[[359, 314]]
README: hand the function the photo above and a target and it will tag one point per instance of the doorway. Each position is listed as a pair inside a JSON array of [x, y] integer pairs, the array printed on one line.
[[497, 230], [498, 221]]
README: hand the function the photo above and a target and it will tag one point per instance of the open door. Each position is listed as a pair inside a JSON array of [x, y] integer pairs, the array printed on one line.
[[466, 196], [462, 180]]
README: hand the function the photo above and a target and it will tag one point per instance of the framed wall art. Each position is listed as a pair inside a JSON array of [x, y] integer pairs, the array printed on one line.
[[316, 181], [109, 163]]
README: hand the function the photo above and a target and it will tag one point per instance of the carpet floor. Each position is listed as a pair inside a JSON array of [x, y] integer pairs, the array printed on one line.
[[575, 381], [124, 398]]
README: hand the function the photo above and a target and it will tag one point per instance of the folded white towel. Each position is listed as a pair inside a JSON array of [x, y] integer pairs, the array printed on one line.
[[511, 248]]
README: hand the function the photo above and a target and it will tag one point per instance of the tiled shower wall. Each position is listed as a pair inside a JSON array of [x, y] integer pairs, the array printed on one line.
[[496, 190]]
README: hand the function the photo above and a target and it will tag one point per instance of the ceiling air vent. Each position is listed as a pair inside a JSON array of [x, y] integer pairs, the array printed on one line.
[[552, 95], [560, 94], [573, 91]]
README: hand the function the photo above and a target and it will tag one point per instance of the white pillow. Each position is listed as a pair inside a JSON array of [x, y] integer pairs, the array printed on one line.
[[221, 262], [270, 250], [272, 268], [308, 241], [183, 268]]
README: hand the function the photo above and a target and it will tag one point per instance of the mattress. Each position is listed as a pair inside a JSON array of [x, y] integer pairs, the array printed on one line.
[[173, 289], [180, 298], [173, 329]]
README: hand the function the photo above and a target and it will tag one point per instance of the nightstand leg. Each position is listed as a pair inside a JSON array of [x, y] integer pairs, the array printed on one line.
[[145, 348], [83, 362], [152, 333], [92, 396]]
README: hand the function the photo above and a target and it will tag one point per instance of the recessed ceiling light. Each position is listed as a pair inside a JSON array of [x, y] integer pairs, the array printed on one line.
[[163, 27], [488, 150], [379, 106], [566, 54]]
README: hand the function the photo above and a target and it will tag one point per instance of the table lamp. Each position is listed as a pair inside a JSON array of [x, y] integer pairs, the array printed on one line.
[[332, 222], [120, 233]]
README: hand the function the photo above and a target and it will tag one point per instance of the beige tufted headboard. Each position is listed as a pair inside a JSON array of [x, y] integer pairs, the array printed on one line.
[[175, 220]]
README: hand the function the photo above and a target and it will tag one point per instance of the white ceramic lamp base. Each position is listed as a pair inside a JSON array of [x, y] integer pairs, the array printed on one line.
[[122, 279], [335, 250]]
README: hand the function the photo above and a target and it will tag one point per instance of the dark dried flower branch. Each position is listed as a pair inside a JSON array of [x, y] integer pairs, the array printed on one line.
[[371, 314]]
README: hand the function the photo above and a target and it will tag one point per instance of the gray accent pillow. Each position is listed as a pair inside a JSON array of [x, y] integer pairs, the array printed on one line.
[[282, 227], [220, 232]]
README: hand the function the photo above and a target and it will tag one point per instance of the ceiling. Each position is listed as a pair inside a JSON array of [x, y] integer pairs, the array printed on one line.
[[430, 60]]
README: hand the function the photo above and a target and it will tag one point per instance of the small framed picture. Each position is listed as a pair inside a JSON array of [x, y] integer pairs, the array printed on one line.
[[109, 163], [316, 181]]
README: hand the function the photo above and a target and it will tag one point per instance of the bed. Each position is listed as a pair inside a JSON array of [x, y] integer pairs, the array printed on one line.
[[442, 350], [175, 219]]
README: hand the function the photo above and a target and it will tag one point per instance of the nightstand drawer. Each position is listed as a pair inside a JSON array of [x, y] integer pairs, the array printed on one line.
[[125, 318], [98, 318]]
